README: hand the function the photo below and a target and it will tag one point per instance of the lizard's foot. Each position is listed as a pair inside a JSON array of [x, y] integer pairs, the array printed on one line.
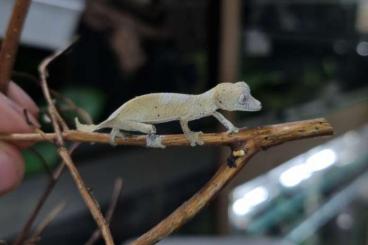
[[194, 138], [232, 130], [112, 140], [154, 141], [115, 133]]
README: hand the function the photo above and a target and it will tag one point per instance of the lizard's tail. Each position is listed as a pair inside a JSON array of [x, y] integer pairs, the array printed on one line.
[[85, 127]]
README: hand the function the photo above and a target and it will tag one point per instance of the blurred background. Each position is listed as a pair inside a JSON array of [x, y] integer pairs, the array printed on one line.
[[302, 58]]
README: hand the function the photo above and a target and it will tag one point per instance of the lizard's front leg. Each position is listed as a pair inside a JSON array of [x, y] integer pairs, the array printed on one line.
[[230, 127], [193, 137]]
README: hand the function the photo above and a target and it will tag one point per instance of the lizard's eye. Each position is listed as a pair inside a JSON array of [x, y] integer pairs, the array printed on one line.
[[242, 99]]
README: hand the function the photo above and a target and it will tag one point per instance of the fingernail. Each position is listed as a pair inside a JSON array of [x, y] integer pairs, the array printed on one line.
[[18, 95], [30, 119]]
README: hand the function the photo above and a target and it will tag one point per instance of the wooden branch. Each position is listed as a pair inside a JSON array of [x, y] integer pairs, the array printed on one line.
[[65, 156], [258, 139], [322, 128], [10, 42]]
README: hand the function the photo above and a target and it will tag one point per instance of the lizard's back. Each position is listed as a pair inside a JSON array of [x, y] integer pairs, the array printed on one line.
[[155, 108]]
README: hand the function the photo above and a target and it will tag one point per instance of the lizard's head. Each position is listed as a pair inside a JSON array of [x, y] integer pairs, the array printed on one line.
[[235, 97]]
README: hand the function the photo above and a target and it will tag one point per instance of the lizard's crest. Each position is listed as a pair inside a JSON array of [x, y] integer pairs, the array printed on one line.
[[235, 97]]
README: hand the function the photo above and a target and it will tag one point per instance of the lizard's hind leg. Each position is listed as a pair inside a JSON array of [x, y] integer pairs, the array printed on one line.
[[152, 140], [114, 133]]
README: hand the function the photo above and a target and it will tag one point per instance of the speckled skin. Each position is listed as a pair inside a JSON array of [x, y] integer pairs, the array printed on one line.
[[140, 113]]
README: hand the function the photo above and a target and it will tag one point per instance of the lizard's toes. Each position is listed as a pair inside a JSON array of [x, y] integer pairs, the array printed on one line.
[[112, 142], [121, 135], [198, 139], [154, 141], [233, 130], [194, 138]]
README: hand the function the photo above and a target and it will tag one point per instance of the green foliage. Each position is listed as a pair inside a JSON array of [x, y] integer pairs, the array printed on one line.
[[33, 161], [90, 99]]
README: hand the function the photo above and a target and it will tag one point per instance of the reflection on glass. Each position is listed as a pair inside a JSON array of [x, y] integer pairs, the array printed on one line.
[[277, 198], [318, 161], [295, 175], [250, 199], [321, 160]]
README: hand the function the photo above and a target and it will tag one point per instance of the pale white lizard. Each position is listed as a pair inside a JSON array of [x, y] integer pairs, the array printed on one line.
[[140, 113]]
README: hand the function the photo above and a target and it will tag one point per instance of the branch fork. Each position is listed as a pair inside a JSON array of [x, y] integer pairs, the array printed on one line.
[[246, 144]]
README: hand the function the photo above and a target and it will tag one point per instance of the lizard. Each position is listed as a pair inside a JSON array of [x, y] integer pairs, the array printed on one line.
[[141, 113]]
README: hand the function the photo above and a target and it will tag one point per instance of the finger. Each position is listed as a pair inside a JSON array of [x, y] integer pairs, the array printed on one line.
[[13, 120], [11, 167], [21, 98], [13, 117]]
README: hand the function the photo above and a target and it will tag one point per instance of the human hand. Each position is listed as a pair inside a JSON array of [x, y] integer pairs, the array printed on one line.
[[14, 120]]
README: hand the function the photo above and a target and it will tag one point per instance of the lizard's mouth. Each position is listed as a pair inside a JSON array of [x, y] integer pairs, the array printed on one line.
[[253, 108], [251, 105]]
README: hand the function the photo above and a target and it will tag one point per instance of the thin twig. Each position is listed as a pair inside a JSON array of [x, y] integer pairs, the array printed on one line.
[[54, 177], [51, 107], [168, 140], [42, 159], [262, 138], [42, 200], [89, 200], [62, 151], [60, 119], [55, 116], [49, 218], [118, 186], [10, 43]]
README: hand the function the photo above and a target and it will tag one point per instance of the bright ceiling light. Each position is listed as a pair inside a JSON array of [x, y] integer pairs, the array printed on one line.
[[321, 160], [362, 48], [294, 175], [250, 199]]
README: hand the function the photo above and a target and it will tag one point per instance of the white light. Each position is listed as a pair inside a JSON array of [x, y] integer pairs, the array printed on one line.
[[294, 175], [318, 161], [321, 160], [362, 48], [250, 199]]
